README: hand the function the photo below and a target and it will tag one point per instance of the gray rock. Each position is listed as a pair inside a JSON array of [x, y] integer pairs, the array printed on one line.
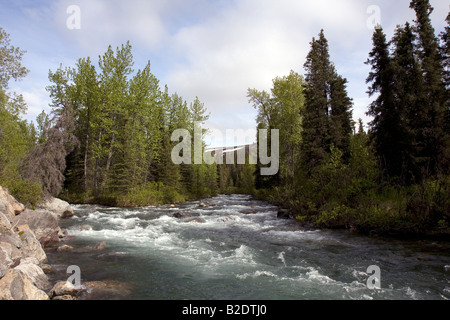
[[30, 245], [181, 215], [46, 268], [65, 297], [82, 227], [107, 289], [64, 248], [99, 246], [44, 224], [113, 256], [5, 258], [9, 205], [64, 288], [16, 286], [29, 268], [5, 222], [60, 207]]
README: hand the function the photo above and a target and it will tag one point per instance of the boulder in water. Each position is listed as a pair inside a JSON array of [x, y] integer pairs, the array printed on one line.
[[99, 246], [106, 289], [60, 207], [181, 215], [196, 220], [64, 289], [113, 256], [283, 214]]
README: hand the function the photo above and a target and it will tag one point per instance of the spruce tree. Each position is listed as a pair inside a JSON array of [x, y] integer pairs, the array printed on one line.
[[386, 118], [432, 137], [341, 124], [445, 37], [408, 88], [445, 51], [327, 114], [315, 143]]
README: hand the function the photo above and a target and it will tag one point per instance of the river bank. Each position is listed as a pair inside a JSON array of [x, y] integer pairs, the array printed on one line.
[[27, 238]]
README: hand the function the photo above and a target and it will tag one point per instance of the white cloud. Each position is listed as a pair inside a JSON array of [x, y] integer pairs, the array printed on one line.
[[113, 22], [35, 97], [249, 44], [214, 49]]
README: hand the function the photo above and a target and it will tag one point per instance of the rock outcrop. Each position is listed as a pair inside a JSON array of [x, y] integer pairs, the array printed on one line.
[[24, 234], [44, 223], [8, 205]]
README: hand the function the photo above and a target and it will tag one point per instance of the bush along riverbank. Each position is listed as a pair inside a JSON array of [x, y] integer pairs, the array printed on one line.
[[26, 236], [421, 210]]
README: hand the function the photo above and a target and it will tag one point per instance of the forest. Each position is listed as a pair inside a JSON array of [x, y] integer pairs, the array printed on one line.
[[108, 137]]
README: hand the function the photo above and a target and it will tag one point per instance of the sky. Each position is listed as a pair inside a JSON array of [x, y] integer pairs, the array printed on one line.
[[211, 49]]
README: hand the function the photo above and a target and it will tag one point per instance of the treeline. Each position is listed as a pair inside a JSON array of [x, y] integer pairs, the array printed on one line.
[[394, 178], [107, 139]]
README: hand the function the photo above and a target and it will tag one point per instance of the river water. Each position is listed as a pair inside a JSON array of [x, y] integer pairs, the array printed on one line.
[[237, 249]]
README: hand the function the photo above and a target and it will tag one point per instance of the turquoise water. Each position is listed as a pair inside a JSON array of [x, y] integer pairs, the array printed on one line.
[[237, 249]]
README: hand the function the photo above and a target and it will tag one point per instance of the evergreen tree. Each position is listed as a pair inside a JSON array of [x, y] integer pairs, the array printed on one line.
[[408, 87], [316, 139], [341, 124], [445, 37], [432, 137], [327, 115], [386, 117]]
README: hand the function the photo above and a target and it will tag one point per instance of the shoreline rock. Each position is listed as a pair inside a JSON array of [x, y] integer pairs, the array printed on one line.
[[59, 207], [24, 234]]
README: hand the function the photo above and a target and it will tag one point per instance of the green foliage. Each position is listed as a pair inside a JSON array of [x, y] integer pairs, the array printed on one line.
[[340, 216], [154, 193], [17, 137]]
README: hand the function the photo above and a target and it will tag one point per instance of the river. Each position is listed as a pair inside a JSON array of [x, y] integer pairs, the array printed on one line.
[[235, 248]]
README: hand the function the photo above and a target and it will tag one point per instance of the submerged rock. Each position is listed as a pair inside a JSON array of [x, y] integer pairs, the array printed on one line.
[[106, 289], [99, 246], [196, 220], [64, 248], [283, 214], [64, 289], [181, 215], [113, 256]]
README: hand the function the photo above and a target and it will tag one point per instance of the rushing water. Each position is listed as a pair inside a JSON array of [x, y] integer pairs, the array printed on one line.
[[237, 249]]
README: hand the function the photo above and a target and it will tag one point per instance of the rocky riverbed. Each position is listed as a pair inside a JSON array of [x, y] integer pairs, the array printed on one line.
[[26, 236]]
